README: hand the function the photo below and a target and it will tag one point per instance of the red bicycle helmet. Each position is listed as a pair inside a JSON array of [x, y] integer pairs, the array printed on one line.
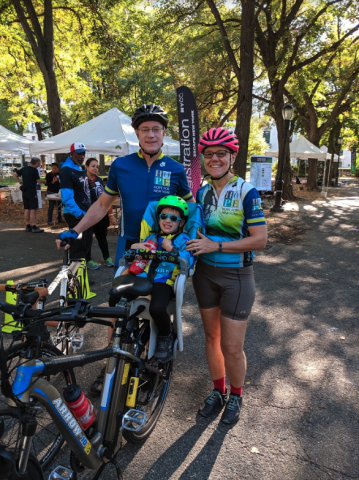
[[218, 136]]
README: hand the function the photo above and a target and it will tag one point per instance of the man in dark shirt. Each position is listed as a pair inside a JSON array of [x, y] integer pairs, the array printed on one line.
[[75, 194], [53, 186], [30, 178]]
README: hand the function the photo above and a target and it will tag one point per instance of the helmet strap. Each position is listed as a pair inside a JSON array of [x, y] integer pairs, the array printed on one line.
[[151, 154]]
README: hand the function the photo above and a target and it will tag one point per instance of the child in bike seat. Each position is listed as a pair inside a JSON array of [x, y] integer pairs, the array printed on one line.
[[172, 213]]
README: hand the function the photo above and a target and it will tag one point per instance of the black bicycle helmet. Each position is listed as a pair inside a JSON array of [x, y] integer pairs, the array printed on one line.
[[149, 112]]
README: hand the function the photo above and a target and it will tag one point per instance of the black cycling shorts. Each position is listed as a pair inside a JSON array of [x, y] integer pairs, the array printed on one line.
[[231, 289], [29, 197]]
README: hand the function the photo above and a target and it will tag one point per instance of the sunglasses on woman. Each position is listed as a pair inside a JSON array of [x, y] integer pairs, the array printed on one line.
[[173, 218]]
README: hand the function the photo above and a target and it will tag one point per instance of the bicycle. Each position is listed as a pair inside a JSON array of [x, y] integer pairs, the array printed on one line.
[[32, 342], [134, 391]]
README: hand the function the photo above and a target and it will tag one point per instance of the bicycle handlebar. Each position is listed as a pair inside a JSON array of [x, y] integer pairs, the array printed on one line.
[[52, 365]]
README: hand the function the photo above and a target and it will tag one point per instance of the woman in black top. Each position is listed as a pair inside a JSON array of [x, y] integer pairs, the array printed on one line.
[[100, 229]]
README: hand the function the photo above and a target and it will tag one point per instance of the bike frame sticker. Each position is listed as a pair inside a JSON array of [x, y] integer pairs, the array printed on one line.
[[70, 420], [107, 389], [125, 374]]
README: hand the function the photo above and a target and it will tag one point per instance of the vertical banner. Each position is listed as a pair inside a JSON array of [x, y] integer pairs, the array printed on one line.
[[189, 137]]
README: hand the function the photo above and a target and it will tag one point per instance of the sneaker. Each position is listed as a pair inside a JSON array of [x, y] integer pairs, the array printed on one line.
[[232, 410], [109, 262], [28, 229], [164, 351], [92, 265], [213, 403], [37, 230]]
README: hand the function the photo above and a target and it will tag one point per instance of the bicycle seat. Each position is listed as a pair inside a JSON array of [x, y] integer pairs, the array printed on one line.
[[128, 285]]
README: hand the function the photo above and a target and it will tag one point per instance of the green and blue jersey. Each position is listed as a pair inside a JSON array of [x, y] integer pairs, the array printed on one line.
[[228, 217]]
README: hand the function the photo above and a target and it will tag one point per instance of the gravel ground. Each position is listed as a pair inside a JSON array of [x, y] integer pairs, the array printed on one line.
[[300, 415]]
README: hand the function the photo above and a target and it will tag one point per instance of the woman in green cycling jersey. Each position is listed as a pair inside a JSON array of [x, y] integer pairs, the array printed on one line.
[[224, 280]]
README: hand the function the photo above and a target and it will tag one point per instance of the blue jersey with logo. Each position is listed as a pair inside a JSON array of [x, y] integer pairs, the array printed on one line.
[[137, 184], [167, 272], [228, 217]]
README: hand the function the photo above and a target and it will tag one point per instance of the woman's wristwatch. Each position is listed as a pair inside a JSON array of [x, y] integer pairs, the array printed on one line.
[[220, 246]]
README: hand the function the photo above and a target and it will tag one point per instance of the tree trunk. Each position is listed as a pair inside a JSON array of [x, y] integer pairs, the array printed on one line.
[[312, 174], [41, 39], [244, 100], [287, 169], [102, 165]]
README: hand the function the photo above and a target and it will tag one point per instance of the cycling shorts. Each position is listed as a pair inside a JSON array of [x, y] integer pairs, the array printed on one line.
[[229, 288]]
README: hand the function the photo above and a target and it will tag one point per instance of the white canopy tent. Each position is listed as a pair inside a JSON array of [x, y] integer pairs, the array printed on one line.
[[110, 133], [11, 142], [303, 149]]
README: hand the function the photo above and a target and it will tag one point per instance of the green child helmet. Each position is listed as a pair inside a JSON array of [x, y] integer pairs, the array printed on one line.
[[172, 201]]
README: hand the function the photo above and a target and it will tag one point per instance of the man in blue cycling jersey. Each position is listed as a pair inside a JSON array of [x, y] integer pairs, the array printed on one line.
[[138, 179]]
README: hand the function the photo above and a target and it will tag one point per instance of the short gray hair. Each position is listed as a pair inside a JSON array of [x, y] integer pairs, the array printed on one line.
[[35, 160]]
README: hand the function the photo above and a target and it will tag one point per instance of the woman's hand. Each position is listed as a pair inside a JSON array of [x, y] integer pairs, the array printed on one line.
[[201, 245], [142, 246], [166, 245]]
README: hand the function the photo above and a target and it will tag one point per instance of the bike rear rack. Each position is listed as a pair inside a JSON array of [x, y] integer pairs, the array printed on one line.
[[134, 420]]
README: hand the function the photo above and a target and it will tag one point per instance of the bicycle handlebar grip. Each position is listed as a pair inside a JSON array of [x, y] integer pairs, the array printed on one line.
[[52, 365], [7, 307], [105, 312]]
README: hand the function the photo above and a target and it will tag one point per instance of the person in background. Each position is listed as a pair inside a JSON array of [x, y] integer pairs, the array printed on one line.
[[99, 229], [30, 180], [53, 186], [224, 278], [75, 195]]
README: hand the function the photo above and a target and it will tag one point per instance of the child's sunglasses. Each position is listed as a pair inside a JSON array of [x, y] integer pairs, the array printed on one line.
[[173, 218]]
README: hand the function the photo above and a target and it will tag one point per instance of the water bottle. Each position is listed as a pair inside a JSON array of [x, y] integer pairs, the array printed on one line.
[[79, 405], [138, 266]]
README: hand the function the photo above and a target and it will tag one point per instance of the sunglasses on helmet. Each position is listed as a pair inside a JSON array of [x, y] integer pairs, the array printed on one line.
[[173, 218]]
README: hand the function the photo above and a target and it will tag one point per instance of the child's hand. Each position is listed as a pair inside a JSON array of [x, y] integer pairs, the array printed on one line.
[[167, 245], [143, 246]]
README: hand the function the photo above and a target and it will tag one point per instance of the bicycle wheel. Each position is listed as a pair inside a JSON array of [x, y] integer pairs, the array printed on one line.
[[151, 396], [47, 440]]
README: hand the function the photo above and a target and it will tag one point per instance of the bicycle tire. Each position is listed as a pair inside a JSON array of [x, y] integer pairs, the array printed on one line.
[[156, 400], [47, 441]]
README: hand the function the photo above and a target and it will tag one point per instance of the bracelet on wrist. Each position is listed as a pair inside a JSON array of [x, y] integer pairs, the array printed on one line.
[[220, 246]]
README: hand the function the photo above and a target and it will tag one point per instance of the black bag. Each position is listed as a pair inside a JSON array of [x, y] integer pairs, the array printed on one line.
[[23, 188]]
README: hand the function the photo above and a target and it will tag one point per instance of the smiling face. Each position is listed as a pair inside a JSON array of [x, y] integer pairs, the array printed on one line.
[[151, 141], [215, 165], [167, 226], [92, 169]]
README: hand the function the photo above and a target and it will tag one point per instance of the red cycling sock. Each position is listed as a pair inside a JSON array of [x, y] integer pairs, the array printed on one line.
[[237, 391], [220, 385]]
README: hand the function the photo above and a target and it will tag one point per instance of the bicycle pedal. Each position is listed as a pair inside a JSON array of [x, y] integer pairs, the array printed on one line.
[[61, 473], [134, 420], [77, 341]]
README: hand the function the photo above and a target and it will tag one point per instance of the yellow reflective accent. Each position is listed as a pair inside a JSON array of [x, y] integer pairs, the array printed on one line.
[[161, 155], [88, 448], [189, 195], [132, 392], [125, 374], [10, 325], [110, 192], [256, 220]]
